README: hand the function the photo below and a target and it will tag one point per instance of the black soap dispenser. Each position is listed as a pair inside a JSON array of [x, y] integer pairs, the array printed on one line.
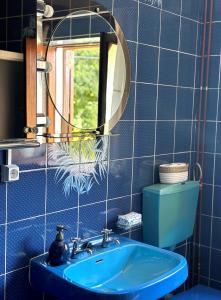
[[59, 250]]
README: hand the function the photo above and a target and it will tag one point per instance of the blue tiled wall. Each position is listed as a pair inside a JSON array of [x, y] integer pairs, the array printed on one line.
[[157, 127], [15, 18], [208, 238]]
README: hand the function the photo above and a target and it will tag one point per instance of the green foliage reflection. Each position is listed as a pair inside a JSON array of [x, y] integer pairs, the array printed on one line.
[[86, 85]]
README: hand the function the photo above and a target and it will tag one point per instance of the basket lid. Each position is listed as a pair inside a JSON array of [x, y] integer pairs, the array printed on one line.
[[174, 168]]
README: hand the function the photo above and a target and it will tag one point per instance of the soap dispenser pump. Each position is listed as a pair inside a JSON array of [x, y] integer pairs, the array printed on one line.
[[59, 250]]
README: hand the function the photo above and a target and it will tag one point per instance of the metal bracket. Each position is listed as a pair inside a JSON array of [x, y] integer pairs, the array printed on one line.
[[43, 121], [31, 130], [43, 66]]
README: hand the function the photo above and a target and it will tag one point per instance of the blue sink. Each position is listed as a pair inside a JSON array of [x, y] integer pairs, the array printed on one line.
[[130, 271]]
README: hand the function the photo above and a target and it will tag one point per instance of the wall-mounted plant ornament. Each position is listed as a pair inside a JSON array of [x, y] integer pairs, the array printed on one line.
[[157, 3], [80, 164]]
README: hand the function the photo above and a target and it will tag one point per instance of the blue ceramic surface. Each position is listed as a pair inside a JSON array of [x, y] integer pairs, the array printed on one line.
[[132, 270]]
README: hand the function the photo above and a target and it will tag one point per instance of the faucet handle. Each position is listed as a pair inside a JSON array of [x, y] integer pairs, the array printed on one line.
[[106, 233], [75, 240], [106, 230]]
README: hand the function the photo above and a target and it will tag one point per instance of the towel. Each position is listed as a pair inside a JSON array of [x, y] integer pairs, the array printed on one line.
[[129, 220]]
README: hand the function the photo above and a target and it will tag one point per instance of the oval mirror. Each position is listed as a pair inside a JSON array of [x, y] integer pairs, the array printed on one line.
[[90, 69]]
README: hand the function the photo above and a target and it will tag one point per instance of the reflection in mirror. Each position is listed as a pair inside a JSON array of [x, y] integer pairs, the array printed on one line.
[[83, 83], [89, 75]]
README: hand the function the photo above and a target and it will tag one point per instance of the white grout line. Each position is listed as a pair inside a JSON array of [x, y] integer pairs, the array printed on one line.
[[6, 237], [134, 111], [177, 82], [214, 169], [157, 98], [107, 179], [172, 13], [192, 127]]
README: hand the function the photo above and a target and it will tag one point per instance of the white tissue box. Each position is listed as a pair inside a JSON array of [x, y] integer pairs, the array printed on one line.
[[129, 220]]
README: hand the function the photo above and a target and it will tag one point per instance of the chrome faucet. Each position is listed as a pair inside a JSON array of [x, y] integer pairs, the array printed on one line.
[[79, 248], [106, 239]]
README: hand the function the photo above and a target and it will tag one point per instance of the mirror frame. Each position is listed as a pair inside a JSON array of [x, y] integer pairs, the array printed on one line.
[[110, 19]]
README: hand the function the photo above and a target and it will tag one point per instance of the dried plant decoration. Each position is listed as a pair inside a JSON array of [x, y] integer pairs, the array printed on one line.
[[157, 3], [80, 164]]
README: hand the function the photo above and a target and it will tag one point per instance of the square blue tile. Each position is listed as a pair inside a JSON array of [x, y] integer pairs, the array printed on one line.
[[115, 208], [205, 231], [144, 138], [217, 10], [211, 111], [216, 285], [124, 15], [208, 166], [121, 146], [210, 138], [168, 67], [98, 191], [216, 264], [149, 33], [146, 101], [183, 136], [192, 9], [128, 113], [97, 25], [185, 99], [3, 4], [142, 173], [119, 181], [217, 170], [68, 218], [79, 27], [188, 36], [204, 262], [216, 237], [165, 134], [186, 70], [2, 252], [212, 135], [214, 71], [147, 64], [30, 158], [172, 6], [18, 286], [25, 240], [137, 203], [207, 200], [137, 235], [170, 31], [166, 103], [3, 30], [13, 34], [182, 157], [58, 5], [14, 46], [56, 198], [132, 46], [216, 202], [15, 9], [26, 197], [92, 219], [2, 203], [2, 284], [29, 7]]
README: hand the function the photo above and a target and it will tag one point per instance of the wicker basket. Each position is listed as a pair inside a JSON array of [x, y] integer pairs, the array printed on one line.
[[174, 173]]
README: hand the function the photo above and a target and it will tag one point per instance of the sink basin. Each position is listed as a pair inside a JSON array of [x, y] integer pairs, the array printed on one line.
[[131, 270]]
